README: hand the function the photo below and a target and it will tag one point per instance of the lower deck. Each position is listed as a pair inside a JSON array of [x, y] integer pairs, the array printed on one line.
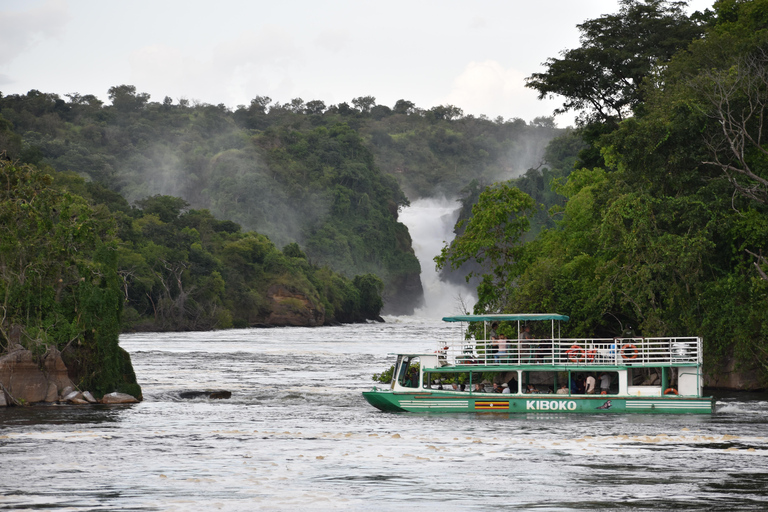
[[451, 401]]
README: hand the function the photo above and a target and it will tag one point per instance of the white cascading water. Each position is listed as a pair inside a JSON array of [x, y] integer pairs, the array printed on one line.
[[430, 222]]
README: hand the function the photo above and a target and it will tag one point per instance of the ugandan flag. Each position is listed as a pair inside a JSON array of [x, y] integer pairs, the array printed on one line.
[[492, 404]]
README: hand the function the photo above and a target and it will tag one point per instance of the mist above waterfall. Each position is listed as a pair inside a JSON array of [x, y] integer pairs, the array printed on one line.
[[430, 222]]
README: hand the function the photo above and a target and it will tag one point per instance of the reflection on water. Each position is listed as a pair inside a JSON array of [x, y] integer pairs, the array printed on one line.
[[297, 434]]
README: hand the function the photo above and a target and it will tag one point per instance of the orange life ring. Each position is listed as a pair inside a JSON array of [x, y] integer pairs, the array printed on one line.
[[631, 348], [575, 354], [670, 391], [591, 355]]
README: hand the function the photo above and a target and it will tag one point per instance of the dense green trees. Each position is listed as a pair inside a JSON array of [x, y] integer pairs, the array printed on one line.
[[59, 282], [669, 234], [602, 78], [330, 178]]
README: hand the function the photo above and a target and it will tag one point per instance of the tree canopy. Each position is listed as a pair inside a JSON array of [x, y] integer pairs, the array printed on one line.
[[668, 231]]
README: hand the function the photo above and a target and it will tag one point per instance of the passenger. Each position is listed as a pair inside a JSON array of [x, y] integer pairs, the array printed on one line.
[[505, 389], [479, 389], [493, 333], [497, 388], [578, 385], [502, 344], [590, 382], [512, 386], [605, 383], [525, 347], [531, 389], [563, 389], [494, 346]]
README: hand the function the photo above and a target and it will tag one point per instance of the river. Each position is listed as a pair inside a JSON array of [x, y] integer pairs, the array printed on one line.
[[297, 435]]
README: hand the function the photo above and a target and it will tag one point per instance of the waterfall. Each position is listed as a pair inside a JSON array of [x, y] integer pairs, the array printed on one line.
[[430, 222]]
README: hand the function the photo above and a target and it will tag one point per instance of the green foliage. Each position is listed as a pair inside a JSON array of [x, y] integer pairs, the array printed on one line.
[[384, 377], [491, 236], [58, 279], [668, 234], [602, 77], [300, 172]]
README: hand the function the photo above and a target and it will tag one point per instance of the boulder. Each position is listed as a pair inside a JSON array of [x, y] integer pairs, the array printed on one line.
[[22, 377], [53, 393], [87, 396], [118, 398], [55, 370], [216, 394], [28, 379], [72, 396]]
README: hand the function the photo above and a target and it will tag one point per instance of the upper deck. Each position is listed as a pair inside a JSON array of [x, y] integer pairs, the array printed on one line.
[[563, 352], [577, 352]]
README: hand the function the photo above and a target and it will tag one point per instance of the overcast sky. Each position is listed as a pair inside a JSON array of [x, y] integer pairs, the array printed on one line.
[[472, 54]]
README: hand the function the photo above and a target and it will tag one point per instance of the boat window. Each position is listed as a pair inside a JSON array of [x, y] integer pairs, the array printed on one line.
[[600, 382], [494, 382], [408, 375], [649, 376], [543, 381], [449, 381]]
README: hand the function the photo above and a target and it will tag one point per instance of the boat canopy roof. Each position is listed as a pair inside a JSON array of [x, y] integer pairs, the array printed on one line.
[[505, 318]]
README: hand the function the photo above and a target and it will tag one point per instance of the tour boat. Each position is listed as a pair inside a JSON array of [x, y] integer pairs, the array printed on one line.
[[541, 372]]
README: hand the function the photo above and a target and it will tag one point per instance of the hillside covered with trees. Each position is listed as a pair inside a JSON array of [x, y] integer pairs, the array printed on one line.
[[328, 178], [663, 221]]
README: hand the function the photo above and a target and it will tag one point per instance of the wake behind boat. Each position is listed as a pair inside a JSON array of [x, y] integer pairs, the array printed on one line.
[[538, 371]]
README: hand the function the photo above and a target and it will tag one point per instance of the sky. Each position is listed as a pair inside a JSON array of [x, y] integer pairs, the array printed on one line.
[[471, 54]]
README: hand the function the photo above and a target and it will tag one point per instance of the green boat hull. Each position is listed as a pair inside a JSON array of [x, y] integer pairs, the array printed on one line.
[[389, 401]]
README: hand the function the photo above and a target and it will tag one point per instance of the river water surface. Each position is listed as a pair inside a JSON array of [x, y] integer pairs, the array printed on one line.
[[296, 434]]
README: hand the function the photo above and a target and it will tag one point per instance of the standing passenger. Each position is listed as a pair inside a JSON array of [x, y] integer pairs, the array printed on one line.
[[605, 383], [590, 384]]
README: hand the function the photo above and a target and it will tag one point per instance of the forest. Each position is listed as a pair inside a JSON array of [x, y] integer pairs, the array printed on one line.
[[331, 179], [662, 224]]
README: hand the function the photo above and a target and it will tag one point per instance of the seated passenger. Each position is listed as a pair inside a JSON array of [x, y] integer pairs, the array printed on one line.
[[512, 386], [531, 389], [563, 389]]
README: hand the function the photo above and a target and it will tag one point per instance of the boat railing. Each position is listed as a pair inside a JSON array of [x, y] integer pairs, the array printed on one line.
[[574, 352]]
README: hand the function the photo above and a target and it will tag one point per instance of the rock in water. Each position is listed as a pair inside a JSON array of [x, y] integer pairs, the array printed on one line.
[[89, 397], [72, 396], [118, 398], [219, 393]]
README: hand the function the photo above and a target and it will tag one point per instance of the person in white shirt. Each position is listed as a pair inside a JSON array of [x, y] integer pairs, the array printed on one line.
[[590, 385], [605, 383]]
